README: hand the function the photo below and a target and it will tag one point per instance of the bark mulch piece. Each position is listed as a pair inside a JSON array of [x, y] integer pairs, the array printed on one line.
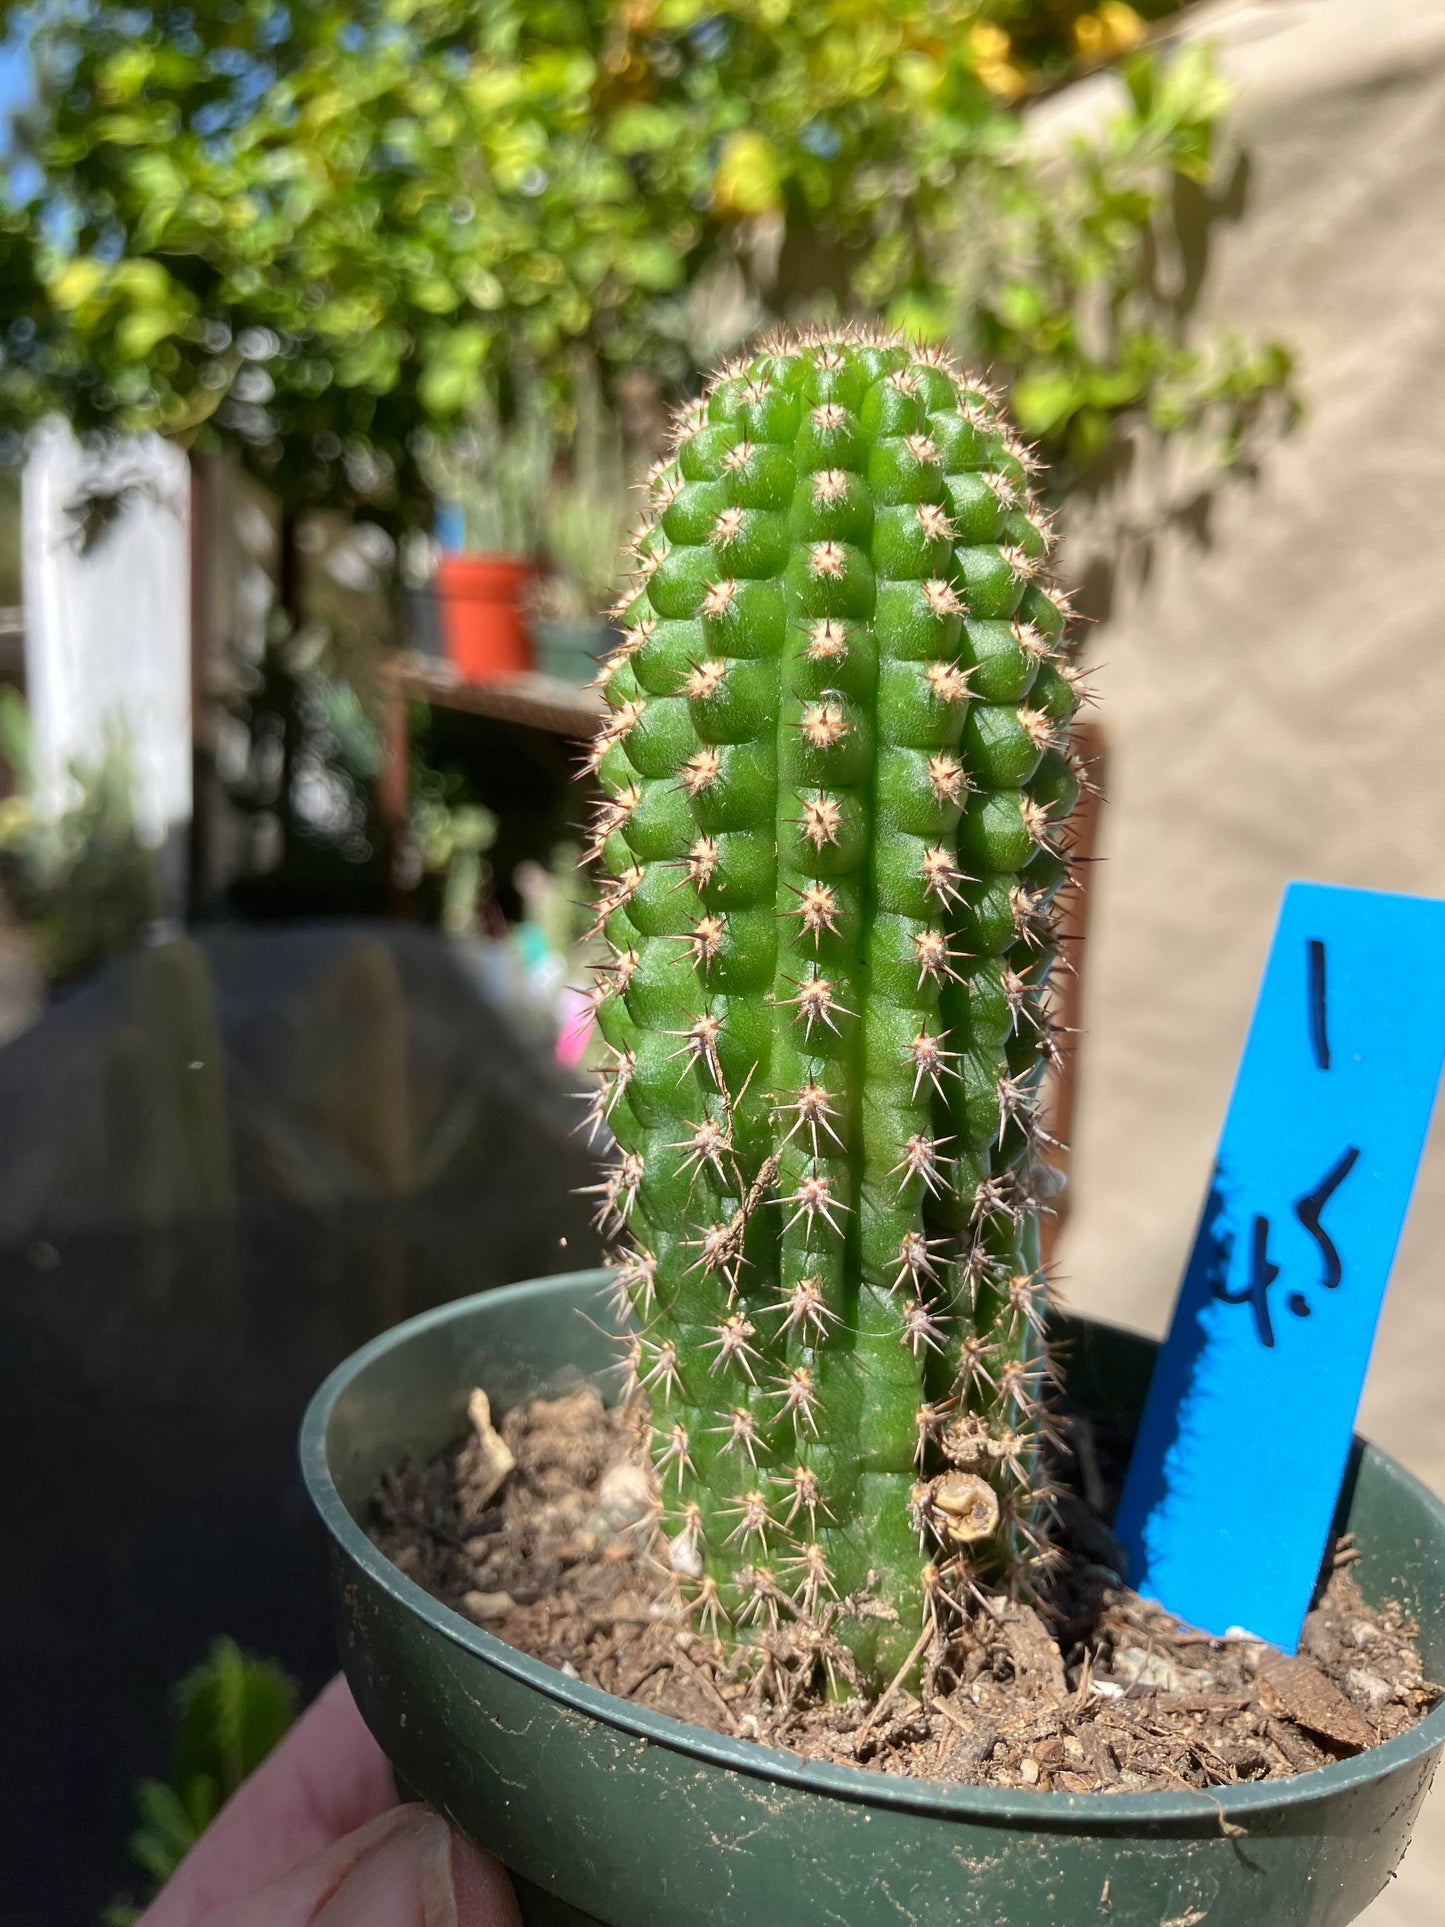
[[1094, 1691]]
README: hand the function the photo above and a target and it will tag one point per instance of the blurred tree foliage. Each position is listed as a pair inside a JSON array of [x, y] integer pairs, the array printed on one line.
[[320, 232]]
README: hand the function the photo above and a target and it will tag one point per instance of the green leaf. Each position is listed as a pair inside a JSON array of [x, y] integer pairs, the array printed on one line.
[[1044, 399], [433, 295], [451, 382], [1089, 435], [642, 127], [231, 1712], [652, 264], [1021, 304], [167, 1833], [922, 314], [140, 331]]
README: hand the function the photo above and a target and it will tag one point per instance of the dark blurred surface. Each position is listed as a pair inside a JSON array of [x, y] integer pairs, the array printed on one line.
[[153, 1375]]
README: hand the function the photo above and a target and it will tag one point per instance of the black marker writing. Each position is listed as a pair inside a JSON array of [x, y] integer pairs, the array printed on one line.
[[1263, 1271], [1262, 1274], [1318, 1015], [1308, 1208]]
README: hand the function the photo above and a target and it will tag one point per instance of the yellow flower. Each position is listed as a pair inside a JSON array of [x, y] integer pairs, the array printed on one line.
[[988, 43], [1113, 29], [749, 177], [989, 47]]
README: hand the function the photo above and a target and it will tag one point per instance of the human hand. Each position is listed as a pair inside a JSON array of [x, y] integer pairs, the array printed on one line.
[[315, 1838]]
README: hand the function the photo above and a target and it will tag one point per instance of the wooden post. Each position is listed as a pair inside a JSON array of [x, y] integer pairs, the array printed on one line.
[[393, 795]]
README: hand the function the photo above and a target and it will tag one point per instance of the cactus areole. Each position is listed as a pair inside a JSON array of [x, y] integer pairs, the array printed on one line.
[[834, 777]]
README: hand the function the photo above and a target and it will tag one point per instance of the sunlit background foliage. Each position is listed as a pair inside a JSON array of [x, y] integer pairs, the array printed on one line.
[[324, 234]]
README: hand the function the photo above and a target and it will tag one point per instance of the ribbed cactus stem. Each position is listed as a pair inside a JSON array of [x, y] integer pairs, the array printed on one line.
[[832, 784]]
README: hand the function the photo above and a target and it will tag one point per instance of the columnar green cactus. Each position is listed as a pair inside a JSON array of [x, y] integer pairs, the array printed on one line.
[[833, 775]]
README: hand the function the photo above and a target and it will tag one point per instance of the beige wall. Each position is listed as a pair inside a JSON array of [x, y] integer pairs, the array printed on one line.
[[1274, 696]]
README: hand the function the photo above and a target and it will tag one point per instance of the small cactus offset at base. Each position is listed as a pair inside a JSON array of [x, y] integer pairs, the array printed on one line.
[[834, 778]]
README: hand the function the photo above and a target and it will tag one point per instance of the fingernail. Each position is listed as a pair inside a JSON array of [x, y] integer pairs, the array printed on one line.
[[386, 1873], [437, 1883], [377, 1833]]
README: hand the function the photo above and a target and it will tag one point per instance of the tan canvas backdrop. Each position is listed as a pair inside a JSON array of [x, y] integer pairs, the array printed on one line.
[[1272, 671]]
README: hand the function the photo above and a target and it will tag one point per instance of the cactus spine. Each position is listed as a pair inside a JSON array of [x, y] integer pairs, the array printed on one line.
[[832, 777]]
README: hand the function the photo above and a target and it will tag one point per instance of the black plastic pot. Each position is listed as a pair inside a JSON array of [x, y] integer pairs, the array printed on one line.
[[610, 1815]]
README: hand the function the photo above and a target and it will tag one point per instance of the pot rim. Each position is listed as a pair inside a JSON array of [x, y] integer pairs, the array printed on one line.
[[494, 563], [1110, 1812]]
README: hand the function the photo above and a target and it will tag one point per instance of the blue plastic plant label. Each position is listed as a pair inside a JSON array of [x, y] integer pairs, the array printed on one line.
[[1246, 1432]]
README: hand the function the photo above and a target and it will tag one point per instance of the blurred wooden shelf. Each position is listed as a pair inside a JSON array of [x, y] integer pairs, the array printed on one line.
[[534, 701], [529, 701]]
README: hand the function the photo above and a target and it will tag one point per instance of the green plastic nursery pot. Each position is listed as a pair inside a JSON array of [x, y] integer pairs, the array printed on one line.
[[571, 651], [610, 1815]]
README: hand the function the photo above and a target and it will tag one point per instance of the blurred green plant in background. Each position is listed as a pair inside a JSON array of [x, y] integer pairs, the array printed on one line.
[[587, 510], [1072, 281], [450, 837], [497, 474], [230, 1713], [83, 881]]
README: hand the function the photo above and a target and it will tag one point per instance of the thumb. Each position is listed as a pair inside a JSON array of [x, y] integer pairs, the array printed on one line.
[[406, 1868]]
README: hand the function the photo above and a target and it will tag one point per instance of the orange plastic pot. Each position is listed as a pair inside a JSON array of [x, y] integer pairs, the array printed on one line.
[[484, 626]]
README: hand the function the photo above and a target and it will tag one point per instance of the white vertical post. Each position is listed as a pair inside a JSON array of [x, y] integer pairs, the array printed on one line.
[[106, 560]]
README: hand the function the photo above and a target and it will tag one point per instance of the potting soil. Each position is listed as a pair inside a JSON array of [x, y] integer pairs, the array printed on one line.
[[1090, 1689]]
